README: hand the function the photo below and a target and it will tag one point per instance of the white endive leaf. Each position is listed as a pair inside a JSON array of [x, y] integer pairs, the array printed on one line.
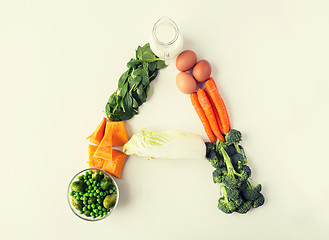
[[170, 144]]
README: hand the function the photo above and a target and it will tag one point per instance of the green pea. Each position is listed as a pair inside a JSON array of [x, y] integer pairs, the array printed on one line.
[[81, 212], [88, 206], [72, 193], [115, 192], [99, 208], [88, 183], [97, 191], [113, 187], [92, 214], [90, 172], [93, 205], [111, 191], [84, 208]]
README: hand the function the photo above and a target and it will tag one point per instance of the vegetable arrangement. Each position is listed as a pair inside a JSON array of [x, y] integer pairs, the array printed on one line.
[[93, 195], [134, 85], [233, 173]]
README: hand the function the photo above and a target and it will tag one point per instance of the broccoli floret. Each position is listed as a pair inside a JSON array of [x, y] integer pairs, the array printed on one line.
[[224, 203], [233, 136], [211, 154], [238, 161], [251, 192], [245, 207], [230, 149], [233, 179], [210, 146], [217, 163], [259, 201], [245, 172], [218, 174], [214, 159], [233, 193], [238, 202]]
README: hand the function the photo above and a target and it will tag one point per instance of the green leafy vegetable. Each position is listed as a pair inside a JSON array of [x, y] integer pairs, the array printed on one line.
[[170, 144], [134, 84]]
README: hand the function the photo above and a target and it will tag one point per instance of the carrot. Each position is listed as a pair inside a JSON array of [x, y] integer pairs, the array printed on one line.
[[215, 111], [115, 165], [202, 116], [219, 104], [97, 136], [206, 106]]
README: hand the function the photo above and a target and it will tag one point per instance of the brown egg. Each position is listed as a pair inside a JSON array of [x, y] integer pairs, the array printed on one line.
[[186, 60], [202, 71], [185, 83]]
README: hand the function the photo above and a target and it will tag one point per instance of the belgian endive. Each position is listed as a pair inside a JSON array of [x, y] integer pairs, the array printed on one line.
[[169, 144]]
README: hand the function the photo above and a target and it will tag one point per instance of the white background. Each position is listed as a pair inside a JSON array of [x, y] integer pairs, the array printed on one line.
[[59, 63]]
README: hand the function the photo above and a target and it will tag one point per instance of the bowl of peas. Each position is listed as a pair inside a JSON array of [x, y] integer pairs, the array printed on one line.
[[92, 194]]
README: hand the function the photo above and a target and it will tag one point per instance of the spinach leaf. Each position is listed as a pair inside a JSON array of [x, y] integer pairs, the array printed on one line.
[[136, 72], [134, 84], [152, 66], [133, 63], [145, 77], [124, 89], [135, 81], [123, 78], [153, 75], [160, 64], [139, 52], [148, 90]]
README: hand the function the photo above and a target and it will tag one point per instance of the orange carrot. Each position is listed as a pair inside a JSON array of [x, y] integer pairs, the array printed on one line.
[[97, 136], [206, 106], [219, 104], [216, 112], [202, 116]]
